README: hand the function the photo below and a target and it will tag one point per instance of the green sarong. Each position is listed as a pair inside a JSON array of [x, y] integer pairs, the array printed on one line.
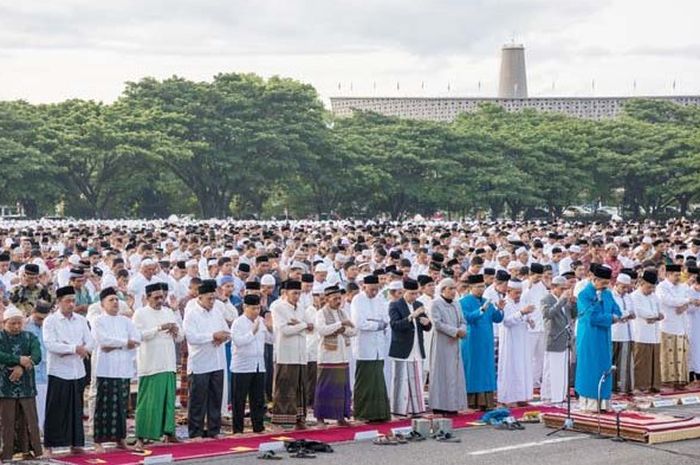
[[371, 402], [155, 406]]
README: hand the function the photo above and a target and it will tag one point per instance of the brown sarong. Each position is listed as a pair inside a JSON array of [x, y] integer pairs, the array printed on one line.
[[289, 394], [647, 366]]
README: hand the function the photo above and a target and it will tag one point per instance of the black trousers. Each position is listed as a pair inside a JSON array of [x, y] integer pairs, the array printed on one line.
[[250, 387], [269, 371], [205, 392]]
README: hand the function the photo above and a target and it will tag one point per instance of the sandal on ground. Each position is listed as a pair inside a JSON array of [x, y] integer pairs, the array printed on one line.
[[385, 441], [304, 454], [446, 437], [269, 455]]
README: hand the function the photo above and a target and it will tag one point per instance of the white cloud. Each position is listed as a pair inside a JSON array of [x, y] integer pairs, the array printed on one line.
[[50, 51]]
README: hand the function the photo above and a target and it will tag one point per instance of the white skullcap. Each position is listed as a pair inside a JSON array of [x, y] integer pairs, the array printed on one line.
[[559, 281], [575, 249], [446, 282], [212, 262], [503, 254], [521, 250], [74, 259], [148, 262], [321, 268], [647, 240], [625, 279], [11, 312], [190, 263], [396, 285], [515, 284], [267, 280], [514, 264]]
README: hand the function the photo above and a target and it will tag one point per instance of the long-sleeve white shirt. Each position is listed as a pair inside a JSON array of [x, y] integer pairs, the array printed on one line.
[[62, 336], [312, 337], [114, 332], [200, 325], [670, 298], [342, 353], [645, 306], [622, 331], [156, 354], [371, 319], [247, 348], [290, 339], [534, 296]]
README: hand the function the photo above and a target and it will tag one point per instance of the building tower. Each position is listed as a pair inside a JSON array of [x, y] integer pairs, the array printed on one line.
[[513, 80]]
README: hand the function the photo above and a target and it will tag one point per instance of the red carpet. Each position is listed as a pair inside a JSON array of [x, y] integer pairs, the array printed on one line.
[[241, 444]]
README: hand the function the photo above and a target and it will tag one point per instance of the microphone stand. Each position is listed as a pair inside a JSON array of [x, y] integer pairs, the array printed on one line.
[[568, 424], [600, 394]]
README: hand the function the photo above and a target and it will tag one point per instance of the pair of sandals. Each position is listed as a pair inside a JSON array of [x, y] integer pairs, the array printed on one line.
[[308, 446], [300, 454], [510, 425], [446, 436], [391, 440]]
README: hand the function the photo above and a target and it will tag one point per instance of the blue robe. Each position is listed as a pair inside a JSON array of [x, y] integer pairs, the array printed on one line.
[[477, 348], [594, 341]]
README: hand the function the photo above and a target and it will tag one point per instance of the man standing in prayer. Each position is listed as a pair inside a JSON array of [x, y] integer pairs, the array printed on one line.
[[533, 296], [160, 329], [623, 378], [290, 327], [647, 335], [408, 323], [116, 339], [333, 395], [206, 332], [369, 315], [597, 311], [19, 353], [68, 342], [477, 351], [35, 325], [248, 334], [559, 313], [448, 390], [514, 356], [674, 303]]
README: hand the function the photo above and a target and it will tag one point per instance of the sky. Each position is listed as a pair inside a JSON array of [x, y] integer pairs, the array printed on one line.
[[59, 49]]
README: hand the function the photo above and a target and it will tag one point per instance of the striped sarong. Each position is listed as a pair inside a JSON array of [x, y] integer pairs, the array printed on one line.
[[407, 388]]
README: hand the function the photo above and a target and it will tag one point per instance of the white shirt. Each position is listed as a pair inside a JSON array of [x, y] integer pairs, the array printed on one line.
[[290, 339], [533, 296], [670, 298], [312, 337], [247, 349], [115, 332], [156, 354], [61, 337], [200, 325], [645, 306], [622, 332], [368, 316]]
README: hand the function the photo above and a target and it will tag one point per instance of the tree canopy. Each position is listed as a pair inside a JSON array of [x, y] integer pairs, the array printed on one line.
[[242, 145]]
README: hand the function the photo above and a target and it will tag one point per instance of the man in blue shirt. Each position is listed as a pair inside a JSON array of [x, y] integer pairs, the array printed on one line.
[[34, 325]]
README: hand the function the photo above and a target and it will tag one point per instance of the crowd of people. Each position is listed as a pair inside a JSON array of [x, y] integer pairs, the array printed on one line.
[[344, 320]]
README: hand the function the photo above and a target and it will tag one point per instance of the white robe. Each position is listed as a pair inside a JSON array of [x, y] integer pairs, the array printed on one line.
[[514, 358], [694, 332]]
